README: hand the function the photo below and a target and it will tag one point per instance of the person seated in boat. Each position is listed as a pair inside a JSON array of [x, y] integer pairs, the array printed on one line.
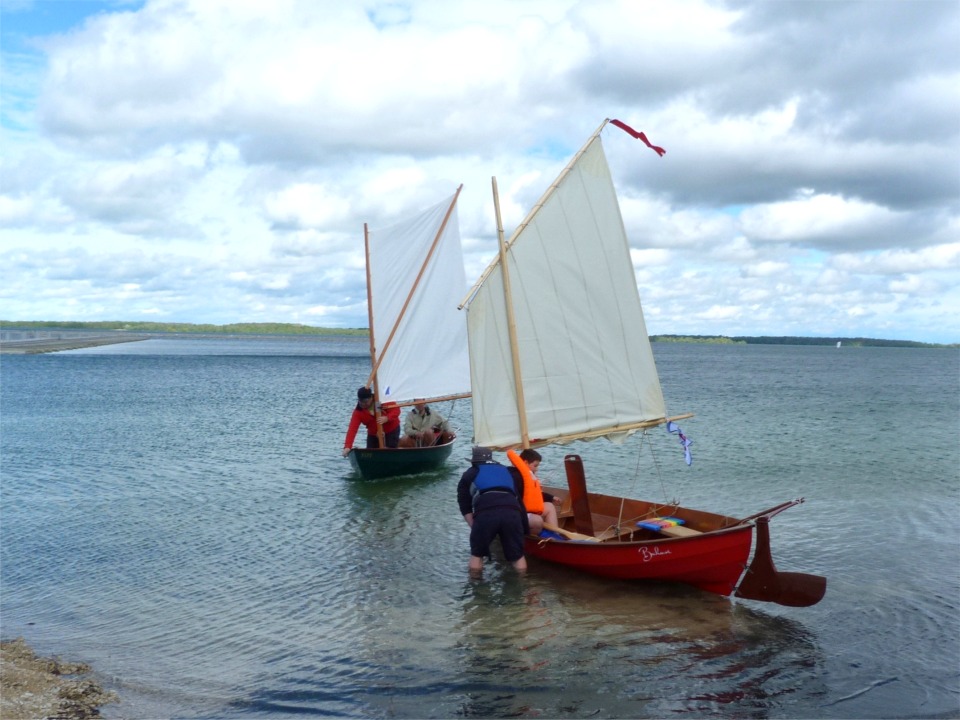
[[424, 427], [364, 414], [491, 501], [541, 506]]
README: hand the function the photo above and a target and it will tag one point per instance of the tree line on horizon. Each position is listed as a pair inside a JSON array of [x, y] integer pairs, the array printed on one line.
[[200, 328], [299, 329], [793, 340]]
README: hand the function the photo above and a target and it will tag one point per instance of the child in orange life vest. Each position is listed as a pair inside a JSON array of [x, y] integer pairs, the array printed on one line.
[[541, 506]]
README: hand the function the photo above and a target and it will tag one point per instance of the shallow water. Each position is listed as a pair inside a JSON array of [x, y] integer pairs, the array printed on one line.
[[176, 513]]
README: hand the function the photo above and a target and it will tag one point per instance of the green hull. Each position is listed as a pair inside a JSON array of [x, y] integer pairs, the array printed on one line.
[[390, 462]]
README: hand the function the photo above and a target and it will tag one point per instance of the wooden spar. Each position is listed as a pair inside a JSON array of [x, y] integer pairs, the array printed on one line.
[[423, 269], [536, 208], [600, 432], [569, 535], [440, 398], [511, 322], [770, 512], [373, 346]]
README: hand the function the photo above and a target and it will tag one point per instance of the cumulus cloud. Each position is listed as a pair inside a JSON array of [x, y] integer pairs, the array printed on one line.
[[215, 160]]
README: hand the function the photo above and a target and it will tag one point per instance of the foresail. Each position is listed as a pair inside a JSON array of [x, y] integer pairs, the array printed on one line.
[[584, 354], [427, 353]]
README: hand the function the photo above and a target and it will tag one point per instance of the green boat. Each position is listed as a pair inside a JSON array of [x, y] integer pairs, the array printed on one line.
[[418, 336], [379, 463]]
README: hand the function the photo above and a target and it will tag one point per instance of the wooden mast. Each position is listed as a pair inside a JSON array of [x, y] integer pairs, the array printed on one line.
[[511, 322], [373, 346]]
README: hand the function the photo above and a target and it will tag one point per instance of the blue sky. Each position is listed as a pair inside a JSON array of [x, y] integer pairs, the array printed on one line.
[[25, 19], [215, 160]]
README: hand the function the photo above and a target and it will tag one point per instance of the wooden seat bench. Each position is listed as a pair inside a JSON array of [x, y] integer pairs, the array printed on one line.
[[679, 531]]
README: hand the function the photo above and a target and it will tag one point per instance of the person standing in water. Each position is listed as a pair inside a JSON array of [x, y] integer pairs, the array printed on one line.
[[491, 501]]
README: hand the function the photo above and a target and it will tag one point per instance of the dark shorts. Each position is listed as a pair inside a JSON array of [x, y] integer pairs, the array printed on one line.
[[507, 522], [391, 439]]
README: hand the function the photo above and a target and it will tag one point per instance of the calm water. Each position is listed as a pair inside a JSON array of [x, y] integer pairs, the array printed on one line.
[[176, 513]]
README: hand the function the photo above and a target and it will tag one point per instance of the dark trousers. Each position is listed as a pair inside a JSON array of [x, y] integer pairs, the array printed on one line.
[[391, 438]]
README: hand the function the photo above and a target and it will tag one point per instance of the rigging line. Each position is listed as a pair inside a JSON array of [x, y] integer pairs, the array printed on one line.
[[453, 407], [636, 474], [636, 481], [656, 464], [868, 688]]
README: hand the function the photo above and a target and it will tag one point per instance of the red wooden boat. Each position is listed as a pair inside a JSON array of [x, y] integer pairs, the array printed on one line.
[[559, 352], [630, 540]]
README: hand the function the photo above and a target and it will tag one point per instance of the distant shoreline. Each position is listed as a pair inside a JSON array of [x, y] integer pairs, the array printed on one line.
[[108, 328], [841, 342], [36, 346]]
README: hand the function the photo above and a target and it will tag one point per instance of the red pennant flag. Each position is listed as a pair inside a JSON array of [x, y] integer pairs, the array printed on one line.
[[639, 136]]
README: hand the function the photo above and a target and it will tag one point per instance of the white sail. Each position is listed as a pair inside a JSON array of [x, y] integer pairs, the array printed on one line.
[[585, 359], [421, 350]]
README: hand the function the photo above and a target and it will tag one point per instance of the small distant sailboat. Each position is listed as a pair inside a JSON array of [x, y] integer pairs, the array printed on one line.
[[839, 342], [418, 338], [559, 352]]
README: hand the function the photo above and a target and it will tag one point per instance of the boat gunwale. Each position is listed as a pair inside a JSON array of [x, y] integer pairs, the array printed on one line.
[[387, 455], [617, 542]]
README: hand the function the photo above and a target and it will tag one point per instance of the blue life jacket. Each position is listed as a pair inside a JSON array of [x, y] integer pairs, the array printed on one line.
[[492, 476]]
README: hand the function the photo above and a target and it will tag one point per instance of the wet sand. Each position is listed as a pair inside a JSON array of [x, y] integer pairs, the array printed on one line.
[[45, 345], [32, 687]]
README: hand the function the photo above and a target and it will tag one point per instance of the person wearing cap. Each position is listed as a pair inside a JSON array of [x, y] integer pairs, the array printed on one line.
[[424, 427], [491, 501], [364, 414]]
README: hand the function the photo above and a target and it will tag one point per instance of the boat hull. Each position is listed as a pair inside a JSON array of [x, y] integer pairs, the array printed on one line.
[[710, 551], [376, 463], [712, 561]]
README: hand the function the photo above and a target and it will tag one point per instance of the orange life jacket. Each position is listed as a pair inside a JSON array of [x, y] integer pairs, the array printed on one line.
[[532, 492]]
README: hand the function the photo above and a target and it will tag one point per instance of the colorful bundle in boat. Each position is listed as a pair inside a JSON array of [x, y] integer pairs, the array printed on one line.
[[659, 523]]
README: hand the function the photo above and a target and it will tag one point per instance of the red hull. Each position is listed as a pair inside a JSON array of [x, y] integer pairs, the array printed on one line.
[[713, 561], [628, 539]]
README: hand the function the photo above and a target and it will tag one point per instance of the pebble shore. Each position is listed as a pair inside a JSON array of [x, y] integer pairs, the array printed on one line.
[[32, 687]]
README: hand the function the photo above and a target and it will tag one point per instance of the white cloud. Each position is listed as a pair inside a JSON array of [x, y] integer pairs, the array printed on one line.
[[938, 258], [823, 221], [215, 160], [721, 312], [305, 205]]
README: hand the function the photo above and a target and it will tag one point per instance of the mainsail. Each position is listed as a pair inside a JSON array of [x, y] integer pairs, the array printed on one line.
[[416, 280], [586, 366]]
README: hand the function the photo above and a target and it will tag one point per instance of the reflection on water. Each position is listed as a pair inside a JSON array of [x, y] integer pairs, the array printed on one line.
[[185, 523], [557, 646]]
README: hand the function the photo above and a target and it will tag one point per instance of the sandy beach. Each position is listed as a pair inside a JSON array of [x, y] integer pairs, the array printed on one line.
[[32, 687], [45, 345]]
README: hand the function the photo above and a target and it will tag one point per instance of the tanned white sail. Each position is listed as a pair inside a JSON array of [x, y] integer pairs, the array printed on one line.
[[416, 280], [585, 362], [559, 352]]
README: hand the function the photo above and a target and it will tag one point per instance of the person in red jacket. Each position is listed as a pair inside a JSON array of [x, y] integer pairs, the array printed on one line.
[[364, 414]]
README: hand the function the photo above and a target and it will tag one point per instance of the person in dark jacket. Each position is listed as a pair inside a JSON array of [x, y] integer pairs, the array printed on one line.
[[491, 501]]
